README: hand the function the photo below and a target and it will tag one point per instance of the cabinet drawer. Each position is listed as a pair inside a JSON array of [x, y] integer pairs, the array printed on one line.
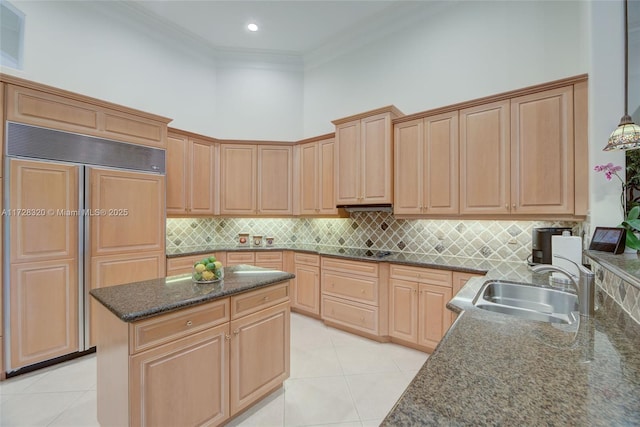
[[308, 259], [422, 275], [250, 302], [235, 258], [268, 257], [354, 315], [169, 327], [184, 264], [355, 288], [355, 267]]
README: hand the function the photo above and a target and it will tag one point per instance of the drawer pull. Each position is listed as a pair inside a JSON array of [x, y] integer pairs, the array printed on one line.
[[227, 337], [265, 298], [236, 332], [189, 323]]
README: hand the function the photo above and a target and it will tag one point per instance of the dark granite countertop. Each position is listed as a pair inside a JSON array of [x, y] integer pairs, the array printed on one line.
[[495, 369], [626, 265], [139, 300], [462, 264]]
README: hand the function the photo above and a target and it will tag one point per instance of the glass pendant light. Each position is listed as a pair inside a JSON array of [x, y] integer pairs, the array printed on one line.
[[627, 135]]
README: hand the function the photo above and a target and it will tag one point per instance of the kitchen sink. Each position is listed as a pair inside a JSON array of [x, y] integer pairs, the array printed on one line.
[[528, 301]]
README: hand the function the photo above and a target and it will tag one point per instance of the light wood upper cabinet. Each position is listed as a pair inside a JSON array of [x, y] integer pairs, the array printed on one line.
[[74, 113], [133, 206], [485, 159], [191, 175], [542, 152], [317, 178], [364, 158], [275, 180], [256, 179], [426, 166], [238, 172]]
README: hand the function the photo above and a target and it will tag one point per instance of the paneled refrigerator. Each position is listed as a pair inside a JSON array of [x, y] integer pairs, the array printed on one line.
[[80, 213]]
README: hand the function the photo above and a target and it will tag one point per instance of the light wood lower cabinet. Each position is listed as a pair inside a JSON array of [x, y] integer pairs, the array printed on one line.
[[417, 305], [194, 367], [184, 264], [353, 298], [461, 279], [236, 258], [272, 260], [305, 295]]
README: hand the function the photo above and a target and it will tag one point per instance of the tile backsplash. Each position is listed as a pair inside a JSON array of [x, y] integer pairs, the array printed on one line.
[[626, 295], [496, 240]]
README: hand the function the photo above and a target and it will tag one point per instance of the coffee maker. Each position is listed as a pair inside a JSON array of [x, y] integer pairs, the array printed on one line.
[[541, 243]]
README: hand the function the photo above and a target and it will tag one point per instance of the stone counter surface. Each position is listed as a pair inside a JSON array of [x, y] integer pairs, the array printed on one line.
[[461, 264], [139, 300], [495, 369]]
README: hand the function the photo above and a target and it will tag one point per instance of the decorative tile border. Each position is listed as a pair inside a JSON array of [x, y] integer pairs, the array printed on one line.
[[623, 293], [491, 240]]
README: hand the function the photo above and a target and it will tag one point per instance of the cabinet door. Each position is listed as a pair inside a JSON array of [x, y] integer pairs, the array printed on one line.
[[44, 310], [326, 177], [238, 171], [376, 159], [485, 159], [347, 162], [459, 280], [542, 153], [409, 174], [182, 383], [275, 180], [259, 358], [441, 189], [309, 179], [434, 317], [306, 289], [131, 206], [177, 174], [403, 305], [201, 159]]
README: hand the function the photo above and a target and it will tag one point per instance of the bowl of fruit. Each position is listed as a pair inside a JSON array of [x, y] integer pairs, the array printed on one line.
[[207, 270]]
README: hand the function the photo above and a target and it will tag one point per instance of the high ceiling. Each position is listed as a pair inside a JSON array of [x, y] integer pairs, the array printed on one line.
[[285, 27]]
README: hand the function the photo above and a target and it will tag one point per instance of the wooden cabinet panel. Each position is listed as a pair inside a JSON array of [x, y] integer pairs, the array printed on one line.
[[353, 267], [309, 178], [250, 302], [182, 383], [259, 355], [542, 144], [202, 161], [169, 327], [326, 177], [44, 310], [347, 163], [269, 256], [431, 276], [141, 227], [434, 317], [275, 180], [461, 279], [352, 287], [441, 164], [306, 289], [403, 314], [409, 168], [2, 117], [49, 191], [485, 155], [235, 258], [238, 171], [177, 173], [25, 105], [376, 161], [361, 317], [307, 259], [184, 264]]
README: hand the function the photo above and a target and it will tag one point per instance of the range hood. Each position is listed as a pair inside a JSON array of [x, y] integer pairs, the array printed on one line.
[[368, 208]]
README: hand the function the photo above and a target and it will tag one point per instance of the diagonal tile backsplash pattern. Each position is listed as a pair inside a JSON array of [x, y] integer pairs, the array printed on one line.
[[495, 240]]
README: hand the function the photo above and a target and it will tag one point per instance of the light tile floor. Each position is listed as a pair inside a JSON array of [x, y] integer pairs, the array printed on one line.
[[337, 379]]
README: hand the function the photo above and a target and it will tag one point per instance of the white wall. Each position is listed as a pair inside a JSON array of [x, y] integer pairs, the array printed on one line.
[[466, 50], [104, 50]]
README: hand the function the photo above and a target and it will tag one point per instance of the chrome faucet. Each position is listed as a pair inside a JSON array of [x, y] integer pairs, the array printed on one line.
[[583, 284]]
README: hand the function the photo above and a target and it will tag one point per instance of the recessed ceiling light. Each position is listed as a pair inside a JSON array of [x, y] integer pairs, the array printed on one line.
[[252, 27]]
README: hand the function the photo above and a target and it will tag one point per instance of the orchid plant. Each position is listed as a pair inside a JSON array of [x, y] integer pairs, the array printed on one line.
[[632, 221]]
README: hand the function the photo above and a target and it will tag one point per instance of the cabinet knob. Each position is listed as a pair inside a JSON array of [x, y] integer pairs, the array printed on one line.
[[236, 332], [227, 337], [362, 291], [513, 206], [189, 323], [265, 299]]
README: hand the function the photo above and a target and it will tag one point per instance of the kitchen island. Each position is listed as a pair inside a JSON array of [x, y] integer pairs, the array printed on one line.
[[495, 369], [172, 352]]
